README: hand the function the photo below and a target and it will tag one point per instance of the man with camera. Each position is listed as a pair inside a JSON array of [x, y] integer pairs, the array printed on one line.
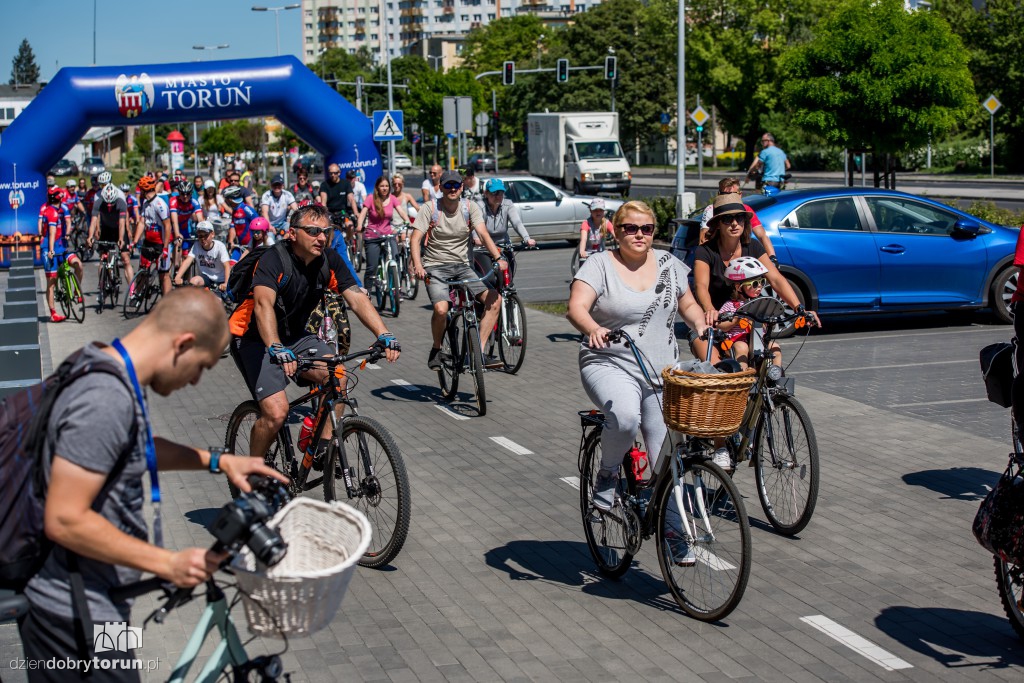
[[96, 460]]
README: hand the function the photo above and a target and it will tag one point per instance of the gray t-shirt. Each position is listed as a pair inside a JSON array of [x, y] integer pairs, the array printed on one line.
[[449, 240], [90, 425], [649, 316]]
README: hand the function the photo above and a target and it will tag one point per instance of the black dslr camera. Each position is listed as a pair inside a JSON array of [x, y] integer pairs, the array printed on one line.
[[243, 521]]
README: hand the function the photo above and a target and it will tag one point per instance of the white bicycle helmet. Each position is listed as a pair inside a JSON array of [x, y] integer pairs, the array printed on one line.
[[745, 268], [70, 182], [232, 193], [109, 194], [104, 178]]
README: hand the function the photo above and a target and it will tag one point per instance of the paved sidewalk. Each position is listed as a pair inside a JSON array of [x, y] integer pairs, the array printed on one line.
[[496, 583]]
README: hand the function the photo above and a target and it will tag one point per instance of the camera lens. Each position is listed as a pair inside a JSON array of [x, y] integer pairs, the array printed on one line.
[[266, 544]]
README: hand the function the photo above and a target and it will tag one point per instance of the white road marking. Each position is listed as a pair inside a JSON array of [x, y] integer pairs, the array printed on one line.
[[861, 646], [936, 403], [571, 481], [450, 413], [405, 385], [373, 366], [974, 329], [861, 368], [511, 445]]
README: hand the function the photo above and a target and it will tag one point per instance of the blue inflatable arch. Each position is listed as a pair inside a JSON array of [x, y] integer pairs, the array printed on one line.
[[80, 97]]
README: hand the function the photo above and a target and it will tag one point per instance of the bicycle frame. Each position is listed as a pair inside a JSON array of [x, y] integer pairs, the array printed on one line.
[[387, 259], [229, 651]]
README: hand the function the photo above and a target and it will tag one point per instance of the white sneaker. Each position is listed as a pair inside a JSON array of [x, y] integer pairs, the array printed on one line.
[[604, 489], [723, 459]]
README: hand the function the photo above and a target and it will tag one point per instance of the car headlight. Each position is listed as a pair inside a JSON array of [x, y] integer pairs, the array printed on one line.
[[586, 176], [627, 175]]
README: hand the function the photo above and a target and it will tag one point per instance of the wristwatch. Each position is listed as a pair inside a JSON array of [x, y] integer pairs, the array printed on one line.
[[215, 453]]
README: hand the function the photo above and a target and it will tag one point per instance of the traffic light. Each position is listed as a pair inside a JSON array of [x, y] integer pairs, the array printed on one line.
[[508, 73], [562, 70], [495, 116], [610, 68], [700, 129]]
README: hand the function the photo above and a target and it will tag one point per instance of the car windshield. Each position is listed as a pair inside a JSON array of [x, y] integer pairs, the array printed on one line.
[[608, 149], [94, 160]]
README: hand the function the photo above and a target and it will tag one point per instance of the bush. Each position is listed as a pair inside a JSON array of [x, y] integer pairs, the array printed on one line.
[[988, 211], [733, 159], [962, 156]]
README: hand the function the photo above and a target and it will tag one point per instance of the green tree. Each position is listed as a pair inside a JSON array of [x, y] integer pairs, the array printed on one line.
[[878, 77], [24, 69], [424, 100], [224, 139], [990, 36]]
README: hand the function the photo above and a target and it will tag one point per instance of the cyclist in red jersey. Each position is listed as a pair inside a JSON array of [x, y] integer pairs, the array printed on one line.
[[51, 217], [71, 198], [155, 227], [185, 213], [242, 214]]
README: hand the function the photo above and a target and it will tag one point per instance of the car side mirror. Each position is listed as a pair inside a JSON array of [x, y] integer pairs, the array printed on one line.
[[559, 197], [965, 227], [566, 157]]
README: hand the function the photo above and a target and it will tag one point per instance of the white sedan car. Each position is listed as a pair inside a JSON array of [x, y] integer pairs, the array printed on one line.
[[548, 212], [402, 163]]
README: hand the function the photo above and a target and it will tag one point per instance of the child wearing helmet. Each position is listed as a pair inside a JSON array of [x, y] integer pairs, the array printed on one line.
[[749, 276]]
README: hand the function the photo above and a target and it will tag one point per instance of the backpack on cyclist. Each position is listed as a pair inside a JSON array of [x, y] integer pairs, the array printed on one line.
[[24, 417]]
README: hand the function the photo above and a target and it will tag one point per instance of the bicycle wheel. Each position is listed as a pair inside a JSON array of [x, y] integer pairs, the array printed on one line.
[[378, 473], [786, 465], [476, 367], [133, 296], [378, 292], [60, 294], [1010, 581], [394, 290], [605, 531], [102, 287], [114, 286], [410, 283], [574, 263], [151, 293], [76, 302], [710, 583], [237, 437], [451, 360], [512, 334]]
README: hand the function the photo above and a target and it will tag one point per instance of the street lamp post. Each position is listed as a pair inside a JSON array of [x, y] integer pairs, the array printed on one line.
[[277, 21], [195, 127], [681, 114]]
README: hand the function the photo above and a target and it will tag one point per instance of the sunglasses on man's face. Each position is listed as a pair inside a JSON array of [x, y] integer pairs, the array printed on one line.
[[452, 186], [334, 172], [313, 230], [632, 228]]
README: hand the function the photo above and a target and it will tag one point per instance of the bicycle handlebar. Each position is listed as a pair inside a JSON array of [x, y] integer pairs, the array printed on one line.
[[770, 320], [372, 354]]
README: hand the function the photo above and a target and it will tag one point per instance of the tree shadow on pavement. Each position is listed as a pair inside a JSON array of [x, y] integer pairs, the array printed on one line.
[[564, 337], [409, 393], [957, 483], [569, 563], [952, 637]]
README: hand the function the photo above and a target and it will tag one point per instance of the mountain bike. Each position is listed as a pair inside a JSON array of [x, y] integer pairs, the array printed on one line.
[[359, 464], [388, 284], [1010, 575], [410, 283], [68, 291], [776, 434], [689, 504], [460, 344], [110, 274], [144, 289], [509, 333]]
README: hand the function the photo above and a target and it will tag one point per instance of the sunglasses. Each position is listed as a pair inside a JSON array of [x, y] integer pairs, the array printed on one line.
[[728, 220], [334, 173], [756, 284], [452, 186], [632, 228], [313, 230]]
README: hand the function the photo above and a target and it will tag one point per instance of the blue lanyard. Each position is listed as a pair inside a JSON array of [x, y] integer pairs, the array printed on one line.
[[154, 479]]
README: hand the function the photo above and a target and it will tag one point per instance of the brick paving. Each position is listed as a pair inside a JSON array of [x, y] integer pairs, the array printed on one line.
[[496, 583]]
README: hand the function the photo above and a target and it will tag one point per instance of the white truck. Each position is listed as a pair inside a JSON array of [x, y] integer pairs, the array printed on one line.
[[579, 150]]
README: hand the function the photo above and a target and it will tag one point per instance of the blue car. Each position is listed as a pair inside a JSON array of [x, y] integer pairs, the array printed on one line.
[[864, 250]]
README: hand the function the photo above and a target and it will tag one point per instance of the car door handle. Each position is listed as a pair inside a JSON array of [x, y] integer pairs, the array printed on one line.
[[893, 248], [526, 208]]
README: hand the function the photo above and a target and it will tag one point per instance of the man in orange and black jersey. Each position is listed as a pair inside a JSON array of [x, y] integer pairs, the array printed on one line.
[[268, 327]]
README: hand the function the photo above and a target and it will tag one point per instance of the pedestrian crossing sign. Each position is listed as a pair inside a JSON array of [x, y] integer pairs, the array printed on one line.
[[387, 125]]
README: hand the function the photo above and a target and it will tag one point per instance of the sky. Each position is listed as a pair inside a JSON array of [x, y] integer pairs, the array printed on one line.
[[142, 31]]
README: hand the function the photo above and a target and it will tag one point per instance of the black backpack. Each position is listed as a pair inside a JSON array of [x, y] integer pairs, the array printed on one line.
[[240, 280], [24, 417]]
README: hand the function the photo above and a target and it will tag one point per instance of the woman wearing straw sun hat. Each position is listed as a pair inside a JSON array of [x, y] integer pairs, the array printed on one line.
[[729, 238]]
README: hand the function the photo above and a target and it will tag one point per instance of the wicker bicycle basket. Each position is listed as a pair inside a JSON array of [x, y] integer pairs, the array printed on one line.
[[705, 405], [302, 593]]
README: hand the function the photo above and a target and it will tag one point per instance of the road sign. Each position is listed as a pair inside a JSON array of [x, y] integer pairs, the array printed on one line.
[[699, 115], [387, 124], [992, 104], [457, 114], [665, 118], [415, 138], [482, 119]]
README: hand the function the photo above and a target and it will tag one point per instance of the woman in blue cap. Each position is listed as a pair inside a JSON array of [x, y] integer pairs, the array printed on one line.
[[499, 213]]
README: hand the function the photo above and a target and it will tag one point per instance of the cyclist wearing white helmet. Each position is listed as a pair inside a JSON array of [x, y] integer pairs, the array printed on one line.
[[109, 225], [748, 277], [104, 178], [71, 197]]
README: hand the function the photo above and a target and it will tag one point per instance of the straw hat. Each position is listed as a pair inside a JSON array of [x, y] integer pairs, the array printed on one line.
[[728, 204]]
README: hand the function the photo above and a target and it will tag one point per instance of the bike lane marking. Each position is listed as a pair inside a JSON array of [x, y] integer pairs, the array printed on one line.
[[511, 445], [451, 413], [858, 644], [406, 385], [571, 481], [862, 368]]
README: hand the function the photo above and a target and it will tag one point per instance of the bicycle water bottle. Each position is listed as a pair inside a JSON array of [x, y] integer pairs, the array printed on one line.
[[305, 434]]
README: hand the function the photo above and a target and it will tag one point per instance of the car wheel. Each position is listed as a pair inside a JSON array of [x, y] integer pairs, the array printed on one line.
[[790, 328], [575, 187], [1003, 289]]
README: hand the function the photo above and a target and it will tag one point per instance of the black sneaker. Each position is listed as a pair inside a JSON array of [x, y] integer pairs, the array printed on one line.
[[434, 359], [490, 361]]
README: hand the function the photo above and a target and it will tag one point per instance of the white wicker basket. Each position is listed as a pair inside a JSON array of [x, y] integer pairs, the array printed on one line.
[[302, 593]]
